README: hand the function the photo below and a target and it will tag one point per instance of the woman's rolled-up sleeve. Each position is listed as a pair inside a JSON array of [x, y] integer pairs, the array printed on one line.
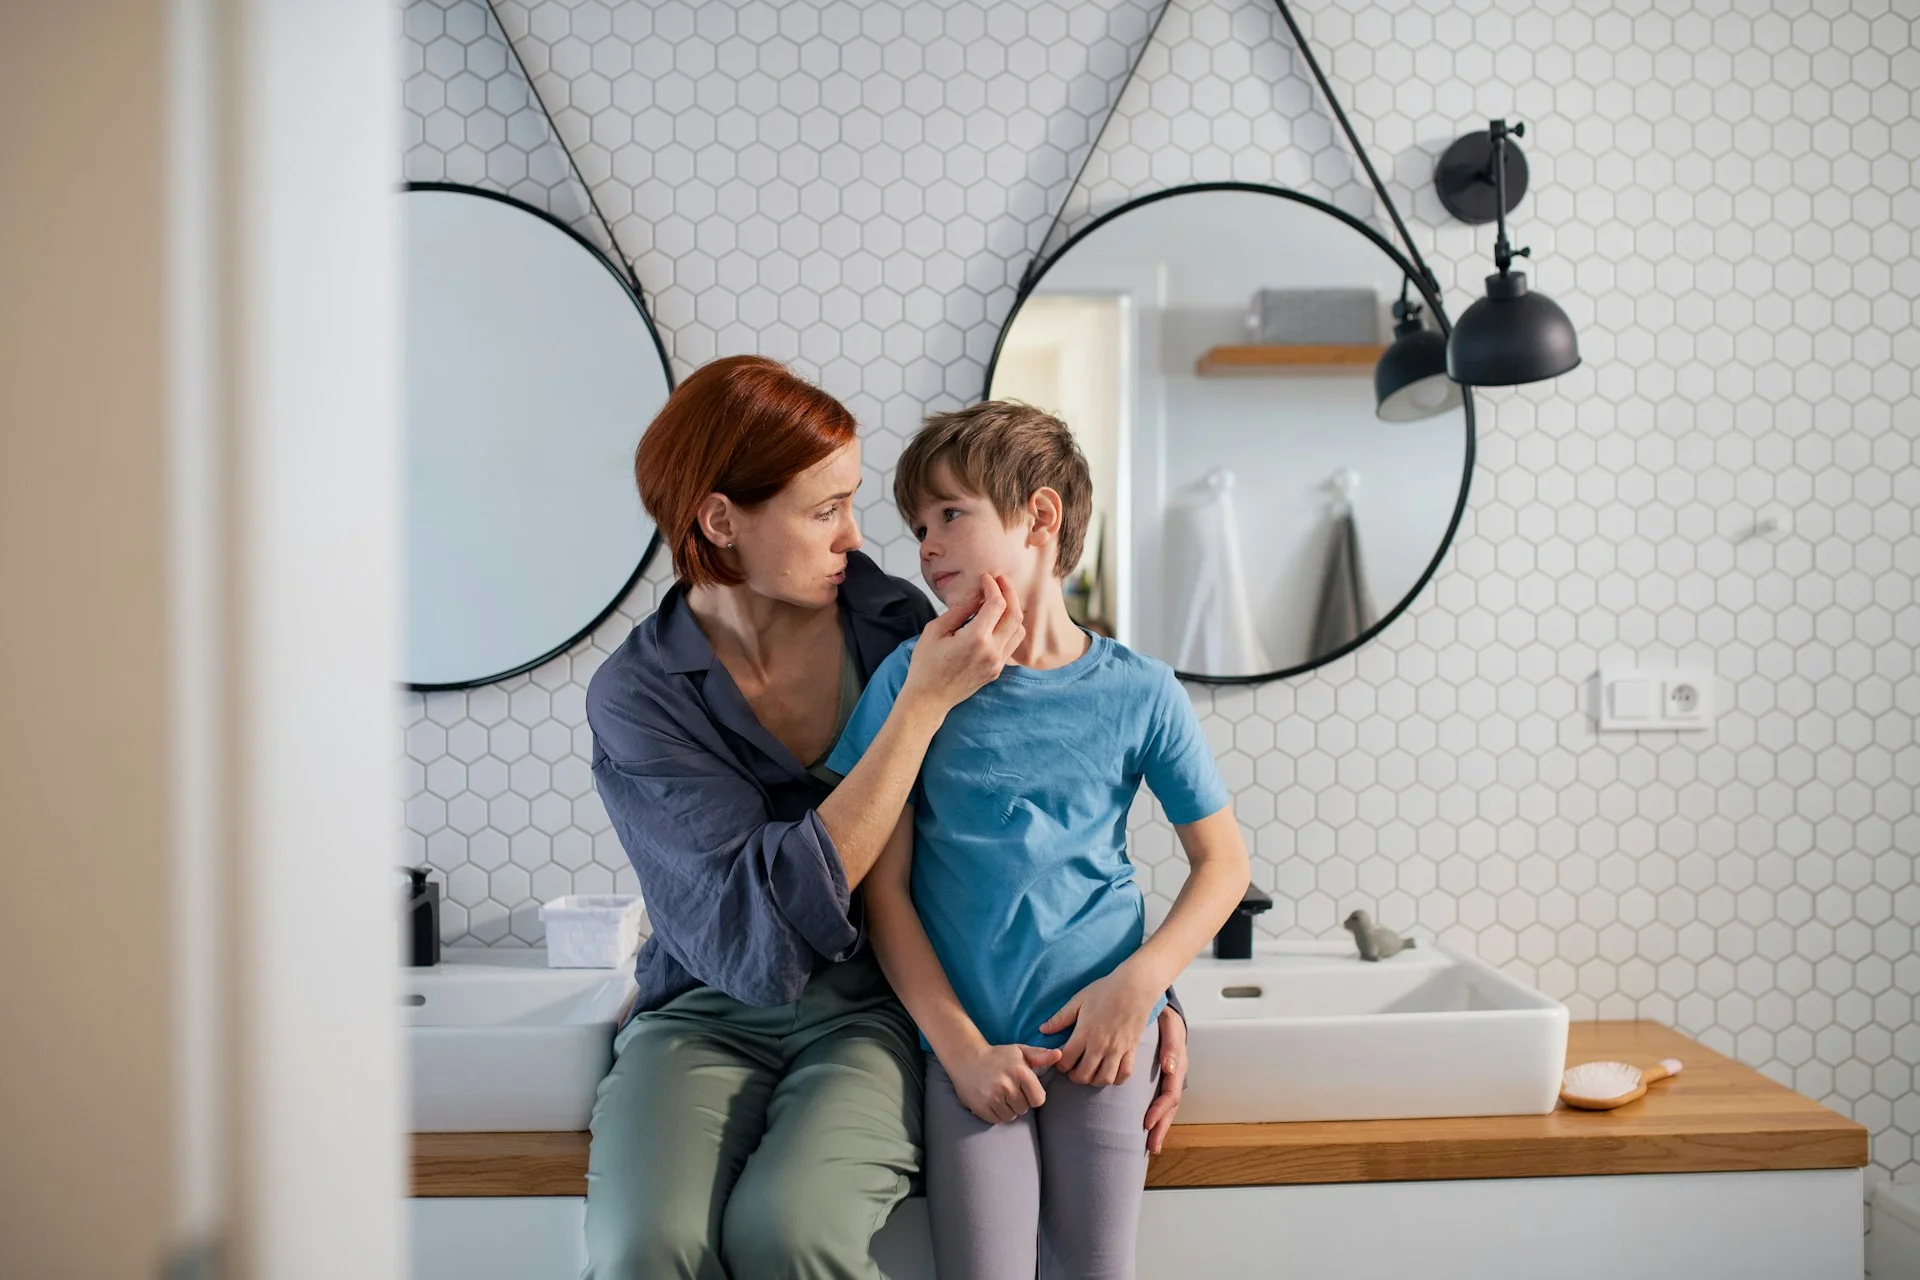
[[744, 901]]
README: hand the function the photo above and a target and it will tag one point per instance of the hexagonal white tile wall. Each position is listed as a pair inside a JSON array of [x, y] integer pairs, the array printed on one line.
[[1723, 201]]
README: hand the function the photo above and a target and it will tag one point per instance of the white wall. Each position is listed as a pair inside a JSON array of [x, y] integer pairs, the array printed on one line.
[[1723, 201], [313, 539]]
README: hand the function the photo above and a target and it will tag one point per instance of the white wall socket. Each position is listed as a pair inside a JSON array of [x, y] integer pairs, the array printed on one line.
[[1630, 699]]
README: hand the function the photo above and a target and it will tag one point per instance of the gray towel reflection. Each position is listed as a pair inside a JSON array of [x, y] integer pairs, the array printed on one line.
[[1346, 606]]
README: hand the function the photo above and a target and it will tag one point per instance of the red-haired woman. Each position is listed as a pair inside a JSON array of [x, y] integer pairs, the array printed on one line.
[[762, 1117]]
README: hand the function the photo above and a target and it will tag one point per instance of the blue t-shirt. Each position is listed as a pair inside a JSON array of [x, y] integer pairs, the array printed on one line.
[[1020, 869]]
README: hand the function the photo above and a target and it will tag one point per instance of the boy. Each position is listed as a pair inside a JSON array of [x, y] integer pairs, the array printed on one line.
[[1005, 911]]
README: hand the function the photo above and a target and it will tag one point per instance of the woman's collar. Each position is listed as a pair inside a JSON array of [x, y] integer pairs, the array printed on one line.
[[868, 592]]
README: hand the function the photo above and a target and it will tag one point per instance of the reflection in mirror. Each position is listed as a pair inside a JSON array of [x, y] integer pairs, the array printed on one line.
[[530, 372], [1213, 350]]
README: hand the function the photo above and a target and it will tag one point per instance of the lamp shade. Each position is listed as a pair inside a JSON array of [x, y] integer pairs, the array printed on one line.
[[1411, 381], [1511, 336]]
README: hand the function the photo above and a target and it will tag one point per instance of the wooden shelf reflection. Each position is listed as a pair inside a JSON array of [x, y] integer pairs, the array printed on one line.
[[1293, 360]]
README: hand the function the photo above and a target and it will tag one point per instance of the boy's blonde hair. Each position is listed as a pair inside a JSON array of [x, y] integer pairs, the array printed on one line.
[[1003, 451]]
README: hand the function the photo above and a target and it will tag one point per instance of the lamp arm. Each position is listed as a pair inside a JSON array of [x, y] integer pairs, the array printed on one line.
[[1413, 250], [1503, 252]]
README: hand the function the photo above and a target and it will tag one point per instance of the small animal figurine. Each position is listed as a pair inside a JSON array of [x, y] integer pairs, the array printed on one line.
[[1376, 941]]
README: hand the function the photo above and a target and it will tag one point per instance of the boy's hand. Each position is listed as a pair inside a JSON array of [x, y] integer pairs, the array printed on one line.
[[997, 1082], [1108, 1017]]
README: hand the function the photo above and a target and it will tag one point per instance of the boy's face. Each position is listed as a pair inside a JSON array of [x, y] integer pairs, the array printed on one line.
[[962, 537]]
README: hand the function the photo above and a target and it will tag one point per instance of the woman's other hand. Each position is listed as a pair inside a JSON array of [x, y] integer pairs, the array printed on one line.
[[964, 648], [999, 1082], [1173, 1079]]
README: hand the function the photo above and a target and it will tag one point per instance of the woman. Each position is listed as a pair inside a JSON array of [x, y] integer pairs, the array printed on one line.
[[762, 1117]]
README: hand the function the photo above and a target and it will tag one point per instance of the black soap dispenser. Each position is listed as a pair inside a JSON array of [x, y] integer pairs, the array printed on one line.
[[1235, 939], [419, 919]]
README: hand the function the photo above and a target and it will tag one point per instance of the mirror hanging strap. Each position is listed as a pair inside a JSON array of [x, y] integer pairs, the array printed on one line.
[[533, 91], [1032, 272]]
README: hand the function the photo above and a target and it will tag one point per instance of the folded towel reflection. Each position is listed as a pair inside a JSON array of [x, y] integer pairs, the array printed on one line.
[[1217, 636]]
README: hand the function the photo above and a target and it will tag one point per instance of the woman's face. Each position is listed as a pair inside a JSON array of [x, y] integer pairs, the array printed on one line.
[[793, 547]]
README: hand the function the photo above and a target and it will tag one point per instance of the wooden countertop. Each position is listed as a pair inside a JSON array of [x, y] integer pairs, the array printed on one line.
[[1716, 1116]]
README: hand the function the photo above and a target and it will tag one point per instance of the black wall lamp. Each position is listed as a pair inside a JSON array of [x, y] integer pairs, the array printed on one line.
[[1410, 382], [1508, 337], [1512, 335]]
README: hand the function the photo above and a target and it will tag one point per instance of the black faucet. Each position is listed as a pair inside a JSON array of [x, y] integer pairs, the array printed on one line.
[[419, 919], [1235, 939]]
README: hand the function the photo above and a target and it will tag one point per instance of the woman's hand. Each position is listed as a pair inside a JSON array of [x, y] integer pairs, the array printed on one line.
[[1106, 1016], [998, 1082], [1173, 1079], [964, 648]]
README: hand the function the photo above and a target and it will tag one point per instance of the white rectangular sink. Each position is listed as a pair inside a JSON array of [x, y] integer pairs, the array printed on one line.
[[1309, 1031], [498, 1041]]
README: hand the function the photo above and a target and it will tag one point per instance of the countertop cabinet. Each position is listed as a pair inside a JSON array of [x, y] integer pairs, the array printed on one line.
[[1791, 1225], [1718, 1173]]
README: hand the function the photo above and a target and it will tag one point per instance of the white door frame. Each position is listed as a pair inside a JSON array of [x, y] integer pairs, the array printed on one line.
[[283, 263]]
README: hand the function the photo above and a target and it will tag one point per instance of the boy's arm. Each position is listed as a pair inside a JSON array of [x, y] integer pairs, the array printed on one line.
[[1106, 1014], [1217, 880], [906, 955], [1180, 769]]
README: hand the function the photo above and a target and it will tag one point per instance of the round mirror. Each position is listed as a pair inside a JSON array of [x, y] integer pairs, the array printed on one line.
[[1213, 349], [530, 371]]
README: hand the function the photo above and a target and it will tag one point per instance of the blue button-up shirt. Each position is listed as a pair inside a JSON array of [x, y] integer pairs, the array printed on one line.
[[743, 884]]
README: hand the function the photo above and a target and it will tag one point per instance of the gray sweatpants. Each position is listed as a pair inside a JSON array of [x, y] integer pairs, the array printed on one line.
[[1054, 1193]]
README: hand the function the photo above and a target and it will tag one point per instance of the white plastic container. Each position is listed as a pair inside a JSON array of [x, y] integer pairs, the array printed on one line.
[[1893, 1246], [594, 930]]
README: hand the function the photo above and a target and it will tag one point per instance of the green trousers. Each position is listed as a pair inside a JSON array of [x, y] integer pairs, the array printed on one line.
[[756, 1143]]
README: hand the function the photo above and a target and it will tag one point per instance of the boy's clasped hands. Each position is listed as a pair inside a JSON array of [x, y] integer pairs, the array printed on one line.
[[999, 1082]]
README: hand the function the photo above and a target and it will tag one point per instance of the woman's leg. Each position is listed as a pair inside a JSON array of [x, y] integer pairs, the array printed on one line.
[[983, 1187], [842, 1138], [673, 1125], [1093, 1154]]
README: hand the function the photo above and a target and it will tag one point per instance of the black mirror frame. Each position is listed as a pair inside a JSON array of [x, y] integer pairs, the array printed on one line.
[[660, 348], [1434, 308]]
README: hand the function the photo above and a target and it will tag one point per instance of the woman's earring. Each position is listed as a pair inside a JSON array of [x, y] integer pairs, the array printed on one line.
[[732, 545]]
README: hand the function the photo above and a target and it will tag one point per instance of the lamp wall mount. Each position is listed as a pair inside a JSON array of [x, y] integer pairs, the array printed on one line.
[[1467, 183]]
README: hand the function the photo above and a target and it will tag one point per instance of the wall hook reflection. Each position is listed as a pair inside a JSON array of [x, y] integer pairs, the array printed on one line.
[[1343, 483]]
